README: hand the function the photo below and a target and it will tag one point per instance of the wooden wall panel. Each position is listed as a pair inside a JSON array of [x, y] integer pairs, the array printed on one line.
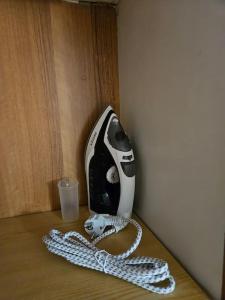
[[58, 70]]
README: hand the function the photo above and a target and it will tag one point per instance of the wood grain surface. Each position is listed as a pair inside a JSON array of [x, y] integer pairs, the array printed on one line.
[[58, 71], [29, 271]]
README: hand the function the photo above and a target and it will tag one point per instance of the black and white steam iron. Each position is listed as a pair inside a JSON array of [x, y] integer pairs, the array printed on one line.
[[110, 168]]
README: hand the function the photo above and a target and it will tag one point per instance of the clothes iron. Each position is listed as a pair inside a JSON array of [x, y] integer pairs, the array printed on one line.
[[110, 168]]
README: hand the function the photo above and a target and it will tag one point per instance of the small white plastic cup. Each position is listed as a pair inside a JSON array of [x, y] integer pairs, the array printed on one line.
[[69, 199]]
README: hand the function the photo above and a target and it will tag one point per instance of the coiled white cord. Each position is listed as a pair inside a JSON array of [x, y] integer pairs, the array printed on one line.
[[143, 271]]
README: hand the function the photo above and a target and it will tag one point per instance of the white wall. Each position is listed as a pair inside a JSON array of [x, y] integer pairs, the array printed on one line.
[[172, 90]]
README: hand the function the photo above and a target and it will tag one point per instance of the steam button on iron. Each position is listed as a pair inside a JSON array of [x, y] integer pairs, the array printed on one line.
[[128, 168], [127, 157]]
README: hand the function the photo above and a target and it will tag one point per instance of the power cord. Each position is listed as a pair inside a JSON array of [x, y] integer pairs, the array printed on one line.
[[143, 271]]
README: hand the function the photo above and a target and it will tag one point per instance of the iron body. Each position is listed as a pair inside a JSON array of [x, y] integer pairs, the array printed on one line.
[[110, 167]]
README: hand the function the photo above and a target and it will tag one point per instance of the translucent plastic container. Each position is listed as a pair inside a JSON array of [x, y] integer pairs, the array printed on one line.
[[69, 199]]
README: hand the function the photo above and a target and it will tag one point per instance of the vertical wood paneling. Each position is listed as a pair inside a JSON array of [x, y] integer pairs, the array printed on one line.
[[58, 70], [105, 54]]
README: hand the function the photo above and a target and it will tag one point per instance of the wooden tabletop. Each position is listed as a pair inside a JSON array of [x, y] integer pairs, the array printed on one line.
[[29, 271]]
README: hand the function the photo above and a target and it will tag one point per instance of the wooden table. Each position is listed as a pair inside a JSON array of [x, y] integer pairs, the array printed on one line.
[[29, 271]]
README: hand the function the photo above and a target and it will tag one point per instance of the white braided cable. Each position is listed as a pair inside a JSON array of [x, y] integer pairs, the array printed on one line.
[[142, 271]]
